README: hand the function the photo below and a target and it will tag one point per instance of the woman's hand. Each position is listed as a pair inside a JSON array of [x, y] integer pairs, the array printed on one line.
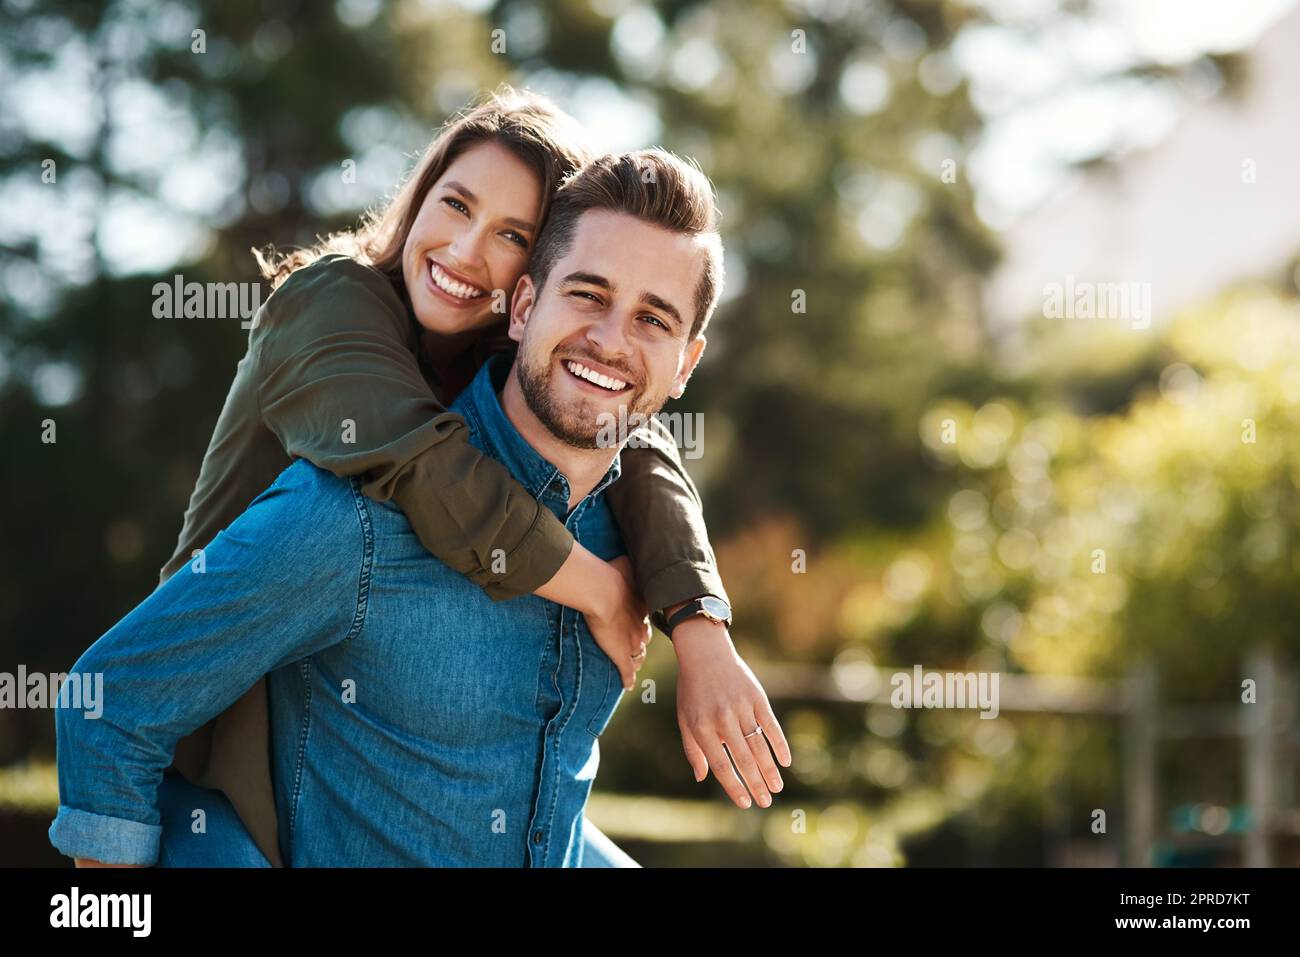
[[604, 593], [719, 701]]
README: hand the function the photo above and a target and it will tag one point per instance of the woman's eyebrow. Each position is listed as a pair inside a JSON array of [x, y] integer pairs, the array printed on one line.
[[468, 194], [462, 189]]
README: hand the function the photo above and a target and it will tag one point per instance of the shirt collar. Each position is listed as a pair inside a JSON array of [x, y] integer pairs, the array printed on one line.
[[480, 404]]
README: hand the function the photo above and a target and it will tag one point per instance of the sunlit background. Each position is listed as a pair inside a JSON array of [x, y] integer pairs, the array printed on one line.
[[909, 457]]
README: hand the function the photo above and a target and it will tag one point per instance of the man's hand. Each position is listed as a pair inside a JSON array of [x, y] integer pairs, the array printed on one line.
[[719, 701]]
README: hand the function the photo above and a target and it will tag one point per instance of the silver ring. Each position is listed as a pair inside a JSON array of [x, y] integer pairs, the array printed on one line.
[[757, 730]]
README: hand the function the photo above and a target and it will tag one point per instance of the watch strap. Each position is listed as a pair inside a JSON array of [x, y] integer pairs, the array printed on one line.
[[690, 610]]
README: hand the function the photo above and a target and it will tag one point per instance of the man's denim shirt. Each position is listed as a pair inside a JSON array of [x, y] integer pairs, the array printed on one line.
[[414, 721]]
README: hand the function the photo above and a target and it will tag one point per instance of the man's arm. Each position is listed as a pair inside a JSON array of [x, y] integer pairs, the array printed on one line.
[[282, 582]]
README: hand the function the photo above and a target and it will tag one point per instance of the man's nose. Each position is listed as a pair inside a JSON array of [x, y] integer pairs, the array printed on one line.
[[608, 335]]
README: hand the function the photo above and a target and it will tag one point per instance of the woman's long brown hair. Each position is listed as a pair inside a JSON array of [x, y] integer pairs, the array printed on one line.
[[545, 138]]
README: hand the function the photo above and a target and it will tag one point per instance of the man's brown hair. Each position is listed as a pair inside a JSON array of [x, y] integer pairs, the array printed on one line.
[[653, 185]]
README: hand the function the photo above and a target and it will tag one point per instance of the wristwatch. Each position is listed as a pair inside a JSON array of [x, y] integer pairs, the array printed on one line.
[[714, 609]]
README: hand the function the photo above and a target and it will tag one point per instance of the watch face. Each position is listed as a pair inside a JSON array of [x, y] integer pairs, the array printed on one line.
[[715, 608]]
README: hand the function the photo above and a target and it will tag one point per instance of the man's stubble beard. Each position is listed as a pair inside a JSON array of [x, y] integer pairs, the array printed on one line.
[[581, 429]]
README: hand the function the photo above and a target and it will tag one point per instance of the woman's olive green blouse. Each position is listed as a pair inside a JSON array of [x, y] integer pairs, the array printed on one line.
[[333, 375]]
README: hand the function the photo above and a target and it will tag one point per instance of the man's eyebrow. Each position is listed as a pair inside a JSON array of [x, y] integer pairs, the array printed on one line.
[[663, 305], [466, 192], [589, 278], [649, 298]]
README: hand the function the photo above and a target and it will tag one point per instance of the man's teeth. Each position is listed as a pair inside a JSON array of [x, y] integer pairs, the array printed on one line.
[[460, 290], [591, 375]]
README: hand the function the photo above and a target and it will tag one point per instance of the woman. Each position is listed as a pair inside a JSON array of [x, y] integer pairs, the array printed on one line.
[[338, 371]]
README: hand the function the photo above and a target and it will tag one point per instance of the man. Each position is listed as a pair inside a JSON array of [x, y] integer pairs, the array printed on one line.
[[415, 721]]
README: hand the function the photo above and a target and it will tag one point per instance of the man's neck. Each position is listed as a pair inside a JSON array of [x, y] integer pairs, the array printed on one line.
[[582, 467]]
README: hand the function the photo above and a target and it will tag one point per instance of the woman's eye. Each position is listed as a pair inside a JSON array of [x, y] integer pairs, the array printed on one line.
[[517, 239], [456, 204]]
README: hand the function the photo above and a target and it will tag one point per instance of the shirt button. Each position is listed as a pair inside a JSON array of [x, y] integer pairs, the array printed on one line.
[[537, 837]]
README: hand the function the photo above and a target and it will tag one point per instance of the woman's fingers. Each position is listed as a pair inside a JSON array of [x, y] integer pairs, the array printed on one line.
[[772, 731], [626, 670], [695, 756], [720, 765], [758, 747], [743, 756], [637, 646]]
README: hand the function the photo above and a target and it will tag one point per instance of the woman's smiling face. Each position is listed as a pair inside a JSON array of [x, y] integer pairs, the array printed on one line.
[[471, 240]]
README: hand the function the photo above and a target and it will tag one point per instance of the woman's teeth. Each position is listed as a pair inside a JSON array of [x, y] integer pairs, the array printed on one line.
[[452, 287], [604, 381]]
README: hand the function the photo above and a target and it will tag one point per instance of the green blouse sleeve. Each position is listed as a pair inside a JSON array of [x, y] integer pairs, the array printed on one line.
[[339, 384], [667, 538]]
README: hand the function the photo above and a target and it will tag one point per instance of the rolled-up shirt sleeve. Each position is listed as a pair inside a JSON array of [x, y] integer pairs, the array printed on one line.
[[110, 840]]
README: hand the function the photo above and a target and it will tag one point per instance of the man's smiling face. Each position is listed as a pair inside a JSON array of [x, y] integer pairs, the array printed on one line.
[[608, 335]]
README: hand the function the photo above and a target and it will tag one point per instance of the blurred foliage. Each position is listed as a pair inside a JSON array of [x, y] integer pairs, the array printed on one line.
[[1070, 544], [825, 424]]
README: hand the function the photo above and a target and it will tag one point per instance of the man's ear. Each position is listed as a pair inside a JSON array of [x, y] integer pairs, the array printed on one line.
[[521, 307], [689, 362]]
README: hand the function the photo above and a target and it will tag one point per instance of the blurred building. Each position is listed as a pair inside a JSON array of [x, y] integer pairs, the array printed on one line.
[[1214, 202]]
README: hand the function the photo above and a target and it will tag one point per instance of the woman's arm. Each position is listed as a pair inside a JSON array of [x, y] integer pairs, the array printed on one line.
[[719, 700], [662, 518], [340, 385]]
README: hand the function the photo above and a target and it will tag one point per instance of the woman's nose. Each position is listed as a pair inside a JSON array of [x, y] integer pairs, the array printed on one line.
[[467, 246]]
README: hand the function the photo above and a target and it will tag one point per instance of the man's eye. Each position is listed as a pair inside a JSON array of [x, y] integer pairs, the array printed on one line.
[[657, 321], [456, 204], [582, 292]]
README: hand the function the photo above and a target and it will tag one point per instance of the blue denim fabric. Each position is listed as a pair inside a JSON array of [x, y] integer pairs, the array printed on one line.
[[225, 842], [414, 721]]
